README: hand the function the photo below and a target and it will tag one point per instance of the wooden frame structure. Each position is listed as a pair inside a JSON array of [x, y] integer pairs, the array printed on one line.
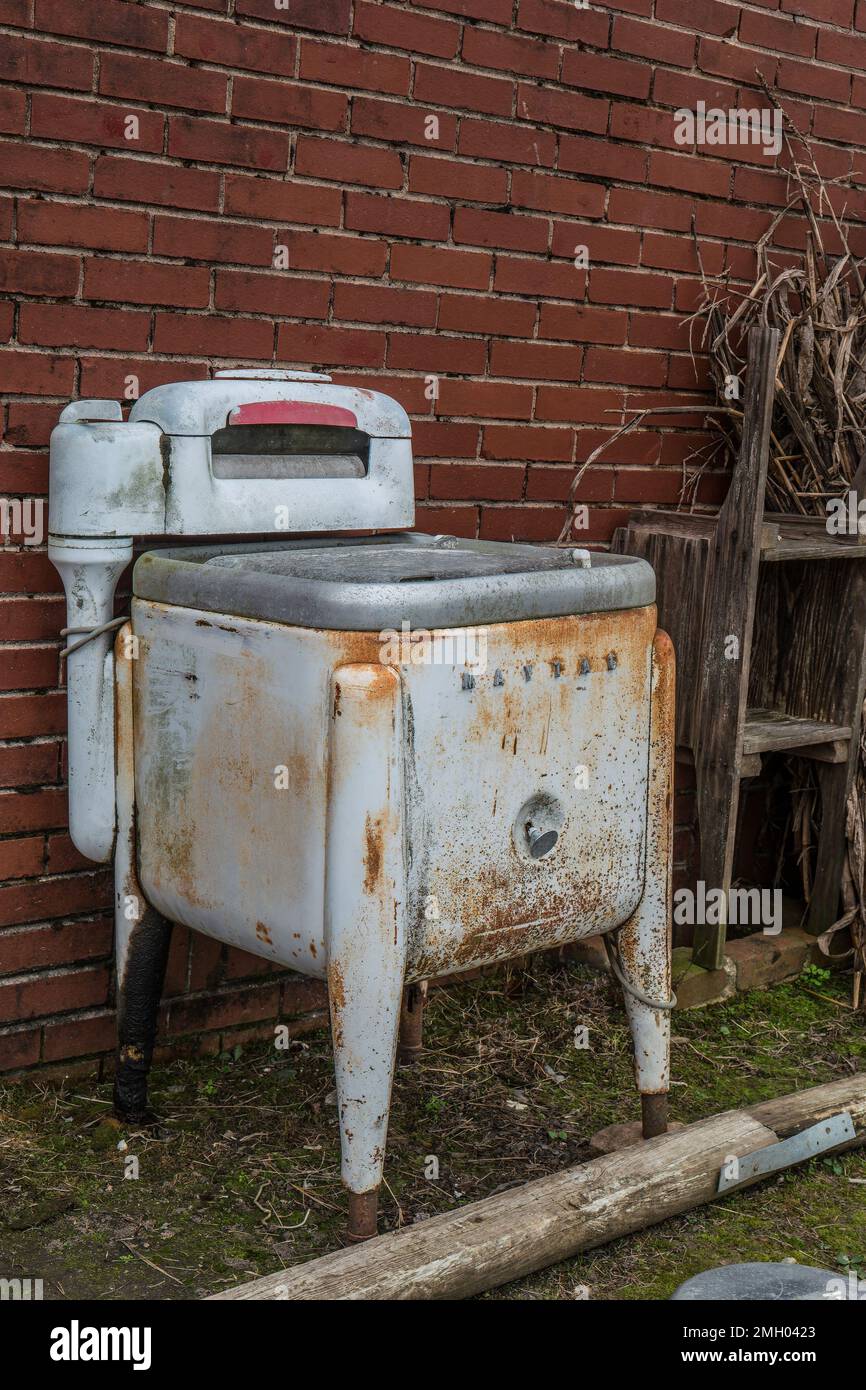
[[768, 618]]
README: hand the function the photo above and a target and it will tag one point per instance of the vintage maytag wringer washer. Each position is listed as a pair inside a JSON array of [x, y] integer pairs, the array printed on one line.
[[432, 815]]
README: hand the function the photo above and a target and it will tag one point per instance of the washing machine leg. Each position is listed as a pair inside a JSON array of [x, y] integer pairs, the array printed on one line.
[[142, 953], [643, 943], [365, 928], [412, 1023]]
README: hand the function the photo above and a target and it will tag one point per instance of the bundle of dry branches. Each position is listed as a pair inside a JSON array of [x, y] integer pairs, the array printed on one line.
[[818, 304]]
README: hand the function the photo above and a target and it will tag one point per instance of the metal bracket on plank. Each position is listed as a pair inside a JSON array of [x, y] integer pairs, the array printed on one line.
[[827, 1134]]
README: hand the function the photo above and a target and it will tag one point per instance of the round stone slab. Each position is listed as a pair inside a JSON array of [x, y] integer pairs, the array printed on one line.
[[786, 1283]]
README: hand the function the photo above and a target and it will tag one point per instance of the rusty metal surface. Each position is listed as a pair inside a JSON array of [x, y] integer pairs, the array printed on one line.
[[221, 704]]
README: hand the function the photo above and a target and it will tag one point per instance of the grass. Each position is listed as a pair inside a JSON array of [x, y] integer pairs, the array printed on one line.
[[242, 1176]]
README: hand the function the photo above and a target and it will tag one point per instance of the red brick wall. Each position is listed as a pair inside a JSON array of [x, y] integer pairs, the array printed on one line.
[[409, 257]]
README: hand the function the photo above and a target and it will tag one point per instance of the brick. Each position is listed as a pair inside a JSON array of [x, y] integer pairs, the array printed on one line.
[[162, 82], [330, 346], [761, 959], [450, 178], [429, 352], [567, 110], [106, 377], [484, 48], [775, 32], [288, 103], [582, 324], [29, 425], [282, 200], [813, 81], [456, 481], [80, 1036], [514, 144], [13, 111], [597, 72], [468, 313], [535, 276], [646, 125], [630, 287], [468, 91], [604, 244], [63, 857], [212, 240], [554, 485], [21, 859], [546, 192], [69, 224], [229, 44], [439, 439], [649, 40], [548, 361], [34, 62], [393, 27], [845, 49], [213, 336], [370, 212], [56, 325], [639, 208], [680, 89], [31, 948], [527, 442], [143, 282], [324, 16], [706, 16], [107, 21], [832, 123], [189, 137], [19, 1047], [223, 1008], [577, 155], [30, 620], [36, 374], [94, 123], [621, 365], [563, 21], [452, 521], [247, 292], [342, 255], [397, 120], [497, 11], [53, 897], [520, 523], [38, 273], [383, 304], [468, 270], [348, 162], [21, 716], [151, 181], [487, 399], [38, 168], [507, 230], [358, 68], [733, 60], [839, 12], [693, 174]]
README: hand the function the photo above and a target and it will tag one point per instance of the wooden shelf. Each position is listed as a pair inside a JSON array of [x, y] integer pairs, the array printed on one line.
[[782, 537], [768, 731]]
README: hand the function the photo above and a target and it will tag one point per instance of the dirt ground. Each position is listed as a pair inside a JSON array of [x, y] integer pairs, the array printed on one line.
[[242, 1177]]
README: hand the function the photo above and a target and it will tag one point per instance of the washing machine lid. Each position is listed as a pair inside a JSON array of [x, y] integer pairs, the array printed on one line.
[[372, 583]]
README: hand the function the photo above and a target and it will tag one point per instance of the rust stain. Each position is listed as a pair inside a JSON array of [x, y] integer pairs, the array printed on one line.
[[374, 831], [263, 934]]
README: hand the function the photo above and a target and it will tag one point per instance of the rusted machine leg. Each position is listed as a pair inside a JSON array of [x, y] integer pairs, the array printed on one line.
[[142, 935], [365, 933], [643, 943], [412, 1023]]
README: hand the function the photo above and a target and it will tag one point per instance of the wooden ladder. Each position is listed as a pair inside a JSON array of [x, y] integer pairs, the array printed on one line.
[[768, 618]]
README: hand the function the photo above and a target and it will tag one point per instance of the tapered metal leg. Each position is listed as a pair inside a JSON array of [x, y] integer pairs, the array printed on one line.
[[142, 935], [365, 936], [411, 1043], [644, 942]]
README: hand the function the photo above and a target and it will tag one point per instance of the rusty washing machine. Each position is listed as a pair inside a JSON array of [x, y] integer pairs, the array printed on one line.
[[372, 758]]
